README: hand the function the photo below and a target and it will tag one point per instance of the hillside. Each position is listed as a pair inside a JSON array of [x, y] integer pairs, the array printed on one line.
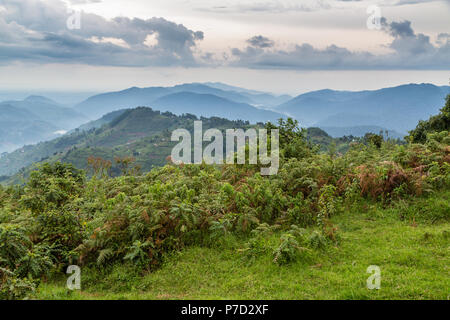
[[314, 230], [397, 108], [140, 132]]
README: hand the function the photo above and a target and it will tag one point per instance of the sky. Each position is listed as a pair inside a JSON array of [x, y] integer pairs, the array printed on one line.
[[282, 46]]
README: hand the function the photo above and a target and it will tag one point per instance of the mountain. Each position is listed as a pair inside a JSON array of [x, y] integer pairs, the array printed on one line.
[[141, 132], [50, 111], [33, 119], [64, 98], [19, 126], [107, 118], [98, 105], [347, 119], [256, 97], [397, 108], [208, 105], [101, 104], [39, 99], [360, 131], [204, 89]]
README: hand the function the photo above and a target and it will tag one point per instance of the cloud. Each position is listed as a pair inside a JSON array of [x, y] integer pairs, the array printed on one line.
[[406, 2], [37, 31], [443, 38], [394, 2], [272, 6], [409, 51], [75, 2], [260, 42], [406, 42], [399, 29]]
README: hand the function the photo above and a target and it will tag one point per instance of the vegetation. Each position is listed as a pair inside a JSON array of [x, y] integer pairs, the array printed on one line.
[[141, 133], [437, 123], [321, 214]]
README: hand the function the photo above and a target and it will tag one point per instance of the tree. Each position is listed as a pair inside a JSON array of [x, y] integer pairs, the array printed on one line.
[[437, 123], [375, 139]]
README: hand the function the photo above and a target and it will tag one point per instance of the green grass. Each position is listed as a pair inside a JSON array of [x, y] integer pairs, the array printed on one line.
[[413, 257]]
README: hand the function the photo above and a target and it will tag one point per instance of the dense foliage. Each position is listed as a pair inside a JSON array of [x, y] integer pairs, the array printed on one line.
[[62, 217], [437, 123]]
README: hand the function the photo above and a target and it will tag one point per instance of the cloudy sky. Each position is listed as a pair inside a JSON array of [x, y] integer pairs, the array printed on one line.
[[285, 46]]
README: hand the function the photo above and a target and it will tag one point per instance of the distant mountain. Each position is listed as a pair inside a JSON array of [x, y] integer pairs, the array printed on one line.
[[19, 126], [39, 99], [50, 111], [227, 87], [360, 131], [256, 97], [34, 119], [204, 89], [98, 105], [64, 98], [398, 108], [208, 105], [347, 120]]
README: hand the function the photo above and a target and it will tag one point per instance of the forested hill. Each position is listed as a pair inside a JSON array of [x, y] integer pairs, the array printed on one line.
[[141, 133]]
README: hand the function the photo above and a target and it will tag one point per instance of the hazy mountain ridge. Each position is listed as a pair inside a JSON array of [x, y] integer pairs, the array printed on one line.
[[34, 119], [98, 105], [360, 131], [260, 98], [209, 105], [397, 108], [50, 111]]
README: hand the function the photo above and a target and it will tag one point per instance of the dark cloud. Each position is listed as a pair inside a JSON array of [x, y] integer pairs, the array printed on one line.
[[37, 31], [406, 42], [400, 29], [409, 51], [260, 42]]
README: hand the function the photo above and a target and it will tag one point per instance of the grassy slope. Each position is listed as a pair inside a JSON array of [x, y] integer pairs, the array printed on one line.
[[413, 255]]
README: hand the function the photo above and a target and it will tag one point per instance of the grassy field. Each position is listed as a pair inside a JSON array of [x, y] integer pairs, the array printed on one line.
[[412, 253]]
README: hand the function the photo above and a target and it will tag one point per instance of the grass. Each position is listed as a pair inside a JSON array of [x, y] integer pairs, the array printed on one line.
[[413, 257]]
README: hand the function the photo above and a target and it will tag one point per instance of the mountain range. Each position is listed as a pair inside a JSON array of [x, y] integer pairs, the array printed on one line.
[[194, 98], [396, 109], [34, 119]]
